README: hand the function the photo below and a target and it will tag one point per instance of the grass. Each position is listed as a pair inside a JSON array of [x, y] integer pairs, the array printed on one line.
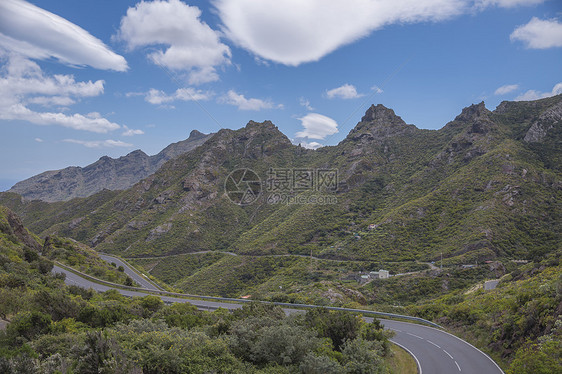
[[400, 361]]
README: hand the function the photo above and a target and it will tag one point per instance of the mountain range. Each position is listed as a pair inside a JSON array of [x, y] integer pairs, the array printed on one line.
[[485, 186], [106, 173]]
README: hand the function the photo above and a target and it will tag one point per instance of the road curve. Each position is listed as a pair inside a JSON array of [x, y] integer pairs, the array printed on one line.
[[436, 351], [142, 281]]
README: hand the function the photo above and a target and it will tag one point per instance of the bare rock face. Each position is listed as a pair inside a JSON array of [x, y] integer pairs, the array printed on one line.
[[106, 173], [546, 121], [17, 228], [379, 123]]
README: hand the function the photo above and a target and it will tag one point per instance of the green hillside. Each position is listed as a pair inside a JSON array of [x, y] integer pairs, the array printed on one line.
[[485, 186]]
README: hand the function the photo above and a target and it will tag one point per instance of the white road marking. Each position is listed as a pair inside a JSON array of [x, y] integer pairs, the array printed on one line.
[[456, 363], [419, 337], [430, 342], [448, 354], [411, 354], [467, 343]]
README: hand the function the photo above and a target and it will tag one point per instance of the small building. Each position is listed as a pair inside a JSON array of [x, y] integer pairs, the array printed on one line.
[[381, 274], [364, 278]]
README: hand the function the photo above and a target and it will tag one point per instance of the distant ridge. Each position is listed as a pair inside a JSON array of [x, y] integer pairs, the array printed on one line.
[[106, 173]]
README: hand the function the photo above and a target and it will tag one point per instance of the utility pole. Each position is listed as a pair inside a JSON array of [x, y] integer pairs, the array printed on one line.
[[441, 260]]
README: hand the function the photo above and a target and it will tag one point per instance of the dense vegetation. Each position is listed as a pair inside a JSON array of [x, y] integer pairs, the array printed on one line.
[[54, 328]]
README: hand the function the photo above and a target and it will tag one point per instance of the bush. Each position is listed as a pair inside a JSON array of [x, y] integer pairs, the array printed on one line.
[[338, 326], [363, 357], [28, 325]]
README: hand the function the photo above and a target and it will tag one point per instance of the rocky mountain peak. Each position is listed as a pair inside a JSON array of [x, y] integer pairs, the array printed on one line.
[[381, 115], [379, 123], [195, 134], [137, 153], [473, 112], [265, 125]]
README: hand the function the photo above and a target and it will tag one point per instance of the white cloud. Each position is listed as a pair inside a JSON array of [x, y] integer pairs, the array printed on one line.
[[377, 89], [317, 126], [131, 132], [191, 44], [311, 145], [293, 32], [347, 91], [23, 83], [535, 95], [99, 143], [506, 89], [158, 97], [506, 3], [39, 140], [243, 103], [305, 103], [51, 100], [539, 34], [39, 34]]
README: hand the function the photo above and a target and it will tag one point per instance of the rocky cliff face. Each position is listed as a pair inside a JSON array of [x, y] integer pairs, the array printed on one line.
[[106, 173]]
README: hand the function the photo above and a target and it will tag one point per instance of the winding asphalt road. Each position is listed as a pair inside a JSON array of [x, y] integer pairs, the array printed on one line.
[[435, 351], [142, 281]]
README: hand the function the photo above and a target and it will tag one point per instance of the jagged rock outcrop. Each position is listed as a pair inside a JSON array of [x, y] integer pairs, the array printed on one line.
[[15, 227], [106, 173], [378, 124], [547, 121]]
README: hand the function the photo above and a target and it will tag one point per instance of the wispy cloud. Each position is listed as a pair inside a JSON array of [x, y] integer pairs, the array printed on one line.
[[480, 4], [317, 126], [243, 103], [506, 89], [39, 140], [99, 143], [535, 95], [36, 33], [347, 91], [539, 34], [23, 83], [131, 132], [305, 103], [192, 45], [158, 97]]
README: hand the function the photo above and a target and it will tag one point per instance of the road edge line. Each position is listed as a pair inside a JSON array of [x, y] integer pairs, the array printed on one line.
[[462, 340], [410, 353]]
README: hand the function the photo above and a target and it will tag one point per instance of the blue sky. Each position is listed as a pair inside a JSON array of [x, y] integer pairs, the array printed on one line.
[[83, 79]]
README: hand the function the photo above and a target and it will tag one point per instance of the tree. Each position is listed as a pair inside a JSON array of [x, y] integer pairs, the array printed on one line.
[[339, 326], [29, 325], [362, 357]]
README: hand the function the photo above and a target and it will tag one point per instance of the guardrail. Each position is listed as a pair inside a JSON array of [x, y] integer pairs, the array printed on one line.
[[229, 299], [135, 270]]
